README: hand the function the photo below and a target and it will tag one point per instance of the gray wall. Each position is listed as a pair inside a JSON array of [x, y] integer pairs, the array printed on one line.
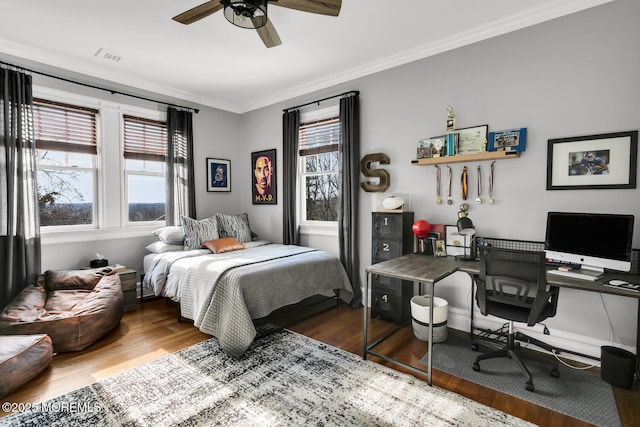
[[577, 75], [573, 76]]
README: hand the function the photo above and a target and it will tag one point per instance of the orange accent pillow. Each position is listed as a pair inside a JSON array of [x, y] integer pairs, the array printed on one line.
[[224, 244]]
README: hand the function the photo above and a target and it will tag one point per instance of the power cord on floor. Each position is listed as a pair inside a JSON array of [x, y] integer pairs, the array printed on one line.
[[579, 368]]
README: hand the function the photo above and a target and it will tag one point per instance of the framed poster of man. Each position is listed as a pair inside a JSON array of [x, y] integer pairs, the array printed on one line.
[[263, 167]]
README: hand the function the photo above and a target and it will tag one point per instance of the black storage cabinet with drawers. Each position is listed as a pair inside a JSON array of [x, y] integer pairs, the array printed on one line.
[[391, 237]]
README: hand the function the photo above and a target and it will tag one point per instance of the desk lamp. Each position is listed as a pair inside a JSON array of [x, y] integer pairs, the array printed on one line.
[[421, 229], [465, 228]]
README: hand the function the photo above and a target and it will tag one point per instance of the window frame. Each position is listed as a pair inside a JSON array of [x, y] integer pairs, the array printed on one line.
[[110, 194], [323, 228], [81, 149], [126, 172]]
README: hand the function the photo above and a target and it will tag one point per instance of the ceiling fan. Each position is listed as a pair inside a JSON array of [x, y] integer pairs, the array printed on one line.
[[253, 14]]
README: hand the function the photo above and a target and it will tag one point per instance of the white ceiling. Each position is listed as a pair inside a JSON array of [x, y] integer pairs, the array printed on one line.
[[214, 63]]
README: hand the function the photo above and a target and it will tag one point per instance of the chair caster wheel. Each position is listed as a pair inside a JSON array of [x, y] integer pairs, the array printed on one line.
[[474, 347], [530, 386], [554, 372], [476, 366]]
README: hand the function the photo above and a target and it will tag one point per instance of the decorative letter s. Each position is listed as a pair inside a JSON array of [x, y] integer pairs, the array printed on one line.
[[366, 170]]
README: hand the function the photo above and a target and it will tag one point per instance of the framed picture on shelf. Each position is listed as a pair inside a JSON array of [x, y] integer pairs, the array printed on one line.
[[504, 140], [454, 241], [472, 140], [439, 247], [604, 161], [431, 147], [263, 177], [218, 175]]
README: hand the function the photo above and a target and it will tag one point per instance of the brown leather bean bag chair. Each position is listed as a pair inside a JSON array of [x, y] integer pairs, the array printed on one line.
[[74, 307], [22, 357]]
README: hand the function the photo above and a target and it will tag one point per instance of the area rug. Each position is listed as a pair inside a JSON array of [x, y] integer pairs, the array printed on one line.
[[284, 379], [577, 393]]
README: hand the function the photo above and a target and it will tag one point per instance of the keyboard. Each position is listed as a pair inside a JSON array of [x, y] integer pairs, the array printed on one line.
[[577, 274]]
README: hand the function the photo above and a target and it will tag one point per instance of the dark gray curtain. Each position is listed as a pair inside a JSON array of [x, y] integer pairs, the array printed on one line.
[[19, 217], [290, 125], [181, 198], [349, 191]]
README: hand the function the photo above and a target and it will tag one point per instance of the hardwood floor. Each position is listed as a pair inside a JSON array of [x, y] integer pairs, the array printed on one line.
[[152, 331]]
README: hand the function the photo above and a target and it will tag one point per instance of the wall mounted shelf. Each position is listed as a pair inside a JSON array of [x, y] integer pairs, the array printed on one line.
[[476, 157]]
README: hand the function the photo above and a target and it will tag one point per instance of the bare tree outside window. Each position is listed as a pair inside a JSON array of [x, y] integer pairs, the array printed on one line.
[[322, 187], [65, 191]]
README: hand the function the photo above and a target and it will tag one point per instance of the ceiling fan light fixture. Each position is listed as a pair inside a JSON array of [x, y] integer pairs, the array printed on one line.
[[246, 13]]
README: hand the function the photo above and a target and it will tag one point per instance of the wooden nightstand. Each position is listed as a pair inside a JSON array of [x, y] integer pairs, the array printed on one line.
[[128, 281]]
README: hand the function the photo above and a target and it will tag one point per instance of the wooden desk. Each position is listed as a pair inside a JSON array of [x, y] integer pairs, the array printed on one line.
[[427, 270]]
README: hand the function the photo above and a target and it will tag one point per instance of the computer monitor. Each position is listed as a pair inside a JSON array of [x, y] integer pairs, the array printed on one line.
[[594, 241]]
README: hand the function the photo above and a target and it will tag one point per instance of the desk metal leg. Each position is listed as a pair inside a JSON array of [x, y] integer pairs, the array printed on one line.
[[430, 354], [638, 332], [365, 301]]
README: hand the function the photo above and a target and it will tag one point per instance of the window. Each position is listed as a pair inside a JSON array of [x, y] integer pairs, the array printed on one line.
[[66, 150], [319, 143], [88, 188], [145, 148]]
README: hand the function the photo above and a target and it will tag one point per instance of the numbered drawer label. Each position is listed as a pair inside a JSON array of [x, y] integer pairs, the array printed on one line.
[[386, 249], [387, 225]]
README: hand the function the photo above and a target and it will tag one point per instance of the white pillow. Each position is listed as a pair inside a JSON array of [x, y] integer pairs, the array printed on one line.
[[162, 247], [173, 234]]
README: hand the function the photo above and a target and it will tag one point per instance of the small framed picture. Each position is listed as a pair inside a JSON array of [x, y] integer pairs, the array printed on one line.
[[218, 175], [431, 147], [439, 247], [454, 241], [505, 140]]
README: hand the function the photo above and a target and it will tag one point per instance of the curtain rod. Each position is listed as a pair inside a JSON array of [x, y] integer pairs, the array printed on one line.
[[195, 110], [355, 92]]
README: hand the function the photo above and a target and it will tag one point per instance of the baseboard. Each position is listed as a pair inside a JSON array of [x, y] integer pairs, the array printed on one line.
[[460, 319]]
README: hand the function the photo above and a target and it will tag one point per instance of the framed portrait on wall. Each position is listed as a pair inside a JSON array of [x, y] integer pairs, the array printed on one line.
[[263, 177], [218, 175]]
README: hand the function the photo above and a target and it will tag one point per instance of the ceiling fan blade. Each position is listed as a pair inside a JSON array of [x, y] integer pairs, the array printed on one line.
[[198, 12], [322, 7], [269, 35]]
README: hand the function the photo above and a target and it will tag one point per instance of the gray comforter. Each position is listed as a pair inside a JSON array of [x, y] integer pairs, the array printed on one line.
[[222, 293]]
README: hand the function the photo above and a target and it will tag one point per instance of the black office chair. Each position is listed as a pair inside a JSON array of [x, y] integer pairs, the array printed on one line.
[[512, 285]]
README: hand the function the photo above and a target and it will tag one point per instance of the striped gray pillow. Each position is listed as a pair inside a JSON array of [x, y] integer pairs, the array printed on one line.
[[196, 232], [236, 226]]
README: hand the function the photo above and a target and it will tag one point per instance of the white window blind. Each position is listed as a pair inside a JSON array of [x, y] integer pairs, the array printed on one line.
[[63, 127], [322, 136], [144, 139]]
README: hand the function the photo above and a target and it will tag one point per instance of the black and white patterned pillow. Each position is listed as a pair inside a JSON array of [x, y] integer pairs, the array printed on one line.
[[236, 226], [198, 231]]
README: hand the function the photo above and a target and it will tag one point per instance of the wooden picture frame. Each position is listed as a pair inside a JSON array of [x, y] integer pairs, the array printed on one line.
[[218, 175], [603, 161], [263, 177]]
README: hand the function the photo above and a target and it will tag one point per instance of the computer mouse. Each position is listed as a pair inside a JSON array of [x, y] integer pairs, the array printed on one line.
[[615, 282]]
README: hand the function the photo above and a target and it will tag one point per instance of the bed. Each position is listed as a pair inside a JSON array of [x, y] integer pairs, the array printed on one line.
[[224, 292]]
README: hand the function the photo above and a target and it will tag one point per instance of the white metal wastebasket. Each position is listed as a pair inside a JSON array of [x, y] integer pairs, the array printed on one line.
[[420, 318]]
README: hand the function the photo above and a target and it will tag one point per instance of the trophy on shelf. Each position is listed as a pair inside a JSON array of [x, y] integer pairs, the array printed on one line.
[[451, 119]]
